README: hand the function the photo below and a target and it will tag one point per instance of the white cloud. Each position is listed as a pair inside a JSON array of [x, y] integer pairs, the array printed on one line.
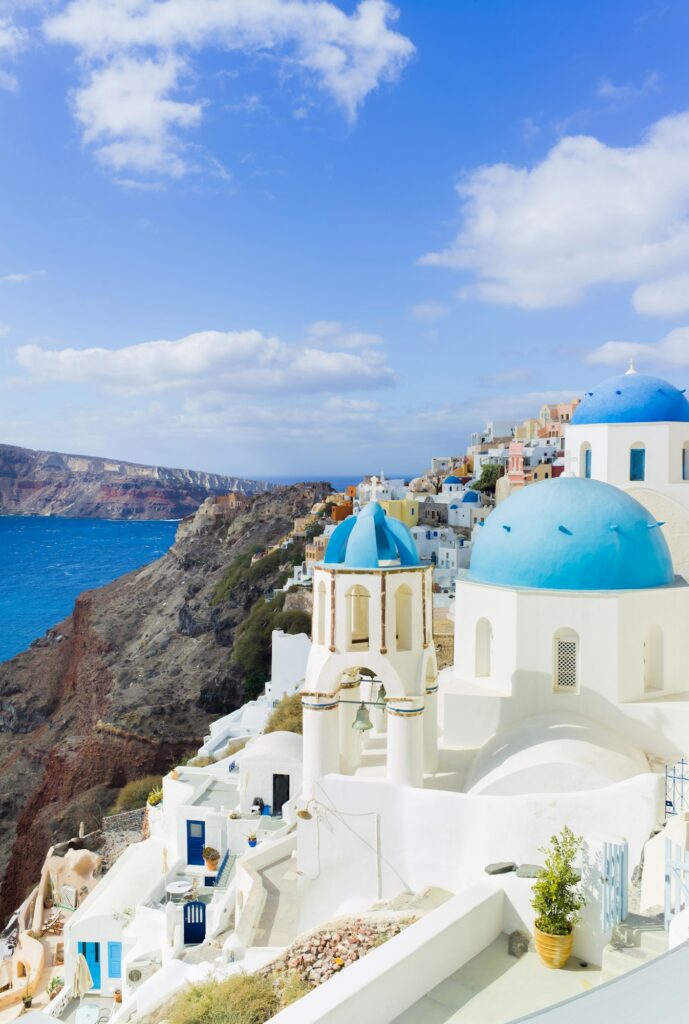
[[130, 47], [15, 278], [240, 362], [663, 298], [672, 350], [588, 214], [12, 40], [429, 311], [4, 330], [620, 94], [333, 334]]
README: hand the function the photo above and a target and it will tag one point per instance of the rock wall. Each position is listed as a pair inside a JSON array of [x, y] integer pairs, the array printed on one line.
[[48, 483], [127, 684]]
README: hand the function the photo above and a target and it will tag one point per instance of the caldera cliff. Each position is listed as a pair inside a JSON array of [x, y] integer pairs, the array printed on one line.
[[129, 682], [83, 486]]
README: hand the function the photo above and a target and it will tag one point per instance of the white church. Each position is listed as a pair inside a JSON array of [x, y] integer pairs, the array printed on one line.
[[569, 692]]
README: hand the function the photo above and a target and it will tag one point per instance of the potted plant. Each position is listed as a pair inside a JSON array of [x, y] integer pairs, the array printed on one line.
[[55, 985], [118, 995], [155, 797], [211, 858], [27, 998], [251, 839], [557, 899]]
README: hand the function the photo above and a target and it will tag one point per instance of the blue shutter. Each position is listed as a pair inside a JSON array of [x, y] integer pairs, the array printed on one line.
[[114, 959]]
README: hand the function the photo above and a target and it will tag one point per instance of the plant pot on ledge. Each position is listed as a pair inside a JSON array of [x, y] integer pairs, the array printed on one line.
[[251, 840], [554, 950], [557, 900], [211, 858]]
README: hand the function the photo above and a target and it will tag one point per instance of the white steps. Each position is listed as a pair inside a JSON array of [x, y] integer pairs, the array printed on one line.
[[635, 942]]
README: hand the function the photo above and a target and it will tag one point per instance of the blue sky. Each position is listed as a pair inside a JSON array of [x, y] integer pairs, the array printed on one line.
[[287, 237]]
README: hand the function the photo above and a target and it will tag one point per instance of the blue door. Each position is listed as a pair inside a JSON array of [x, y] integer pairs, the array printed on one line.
[[194, 923], [196, 840], [91, 950], [114, 959]]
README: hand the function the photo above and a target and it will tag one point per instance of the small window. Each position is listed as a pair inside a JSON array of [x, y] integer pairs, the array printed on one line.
[[637, 462], [566, 662], [685, 461]]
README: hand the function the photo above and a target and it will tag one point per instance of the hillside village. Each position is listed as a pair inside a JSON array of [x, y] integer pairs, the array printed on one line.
[[476, 663]]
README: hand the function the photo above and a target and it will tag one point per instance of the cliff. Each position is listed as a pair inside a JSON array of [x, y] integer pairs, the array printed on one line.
[[129, 682], [48, 483]]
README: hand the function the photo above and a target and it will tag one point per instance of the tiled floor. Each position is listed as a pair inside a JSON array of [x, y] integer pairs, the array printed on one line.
[[495, 988]]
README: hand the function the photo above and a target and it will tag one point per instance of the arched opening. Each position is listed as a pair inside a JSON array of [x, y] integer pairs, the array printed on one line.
[[403, 618], [653, 659], [484, 645], [585, 460], [685, 461], [320, 614], [21, 969], [357, 601], [566, 661], [637, 461]]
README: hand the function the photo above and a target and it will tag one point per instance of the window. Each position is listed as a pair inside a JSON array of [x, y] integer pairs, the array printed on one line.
[[566, 661], [484, 644], [637, 462], [685, 461], [115, 959], [403, 618], [357, 599], [585, 460], [320, 613]]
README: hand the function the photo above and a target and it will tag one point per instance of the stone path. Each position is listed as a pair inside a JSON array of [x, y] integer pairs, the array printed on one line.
[[278, 922]]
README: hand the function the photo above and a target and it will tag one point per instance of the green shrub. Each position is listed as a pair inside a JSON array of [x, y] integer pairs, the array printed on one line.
[[135, 794], [292, 988], [557, 898], [287, 716], [241, 999], [155, 797], [233, 748], [200, 762]]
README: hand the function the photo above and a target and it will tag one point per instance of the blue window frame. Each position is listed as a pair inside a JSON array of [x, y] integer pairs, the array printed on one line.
[[637, 464], [114, 959], [587, 463]]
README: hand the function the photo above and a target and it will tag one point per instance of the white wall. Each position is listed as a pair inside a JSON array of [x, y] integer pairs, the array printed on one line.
[[369, 839], [289, 654]]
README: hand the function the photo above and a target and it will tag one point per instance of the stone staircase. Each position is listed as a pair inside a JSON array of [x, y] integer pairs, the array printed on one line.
[[634, 942]]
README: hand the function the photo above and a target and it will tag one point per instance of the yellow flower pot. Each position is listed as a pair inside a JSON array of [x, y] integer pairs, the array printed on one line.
[[554, 950]]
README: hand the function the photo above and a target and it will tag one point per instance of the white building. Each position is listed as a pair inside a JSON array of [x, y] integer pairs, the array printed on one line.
[[632, 431], [380, 488], [288, 658]]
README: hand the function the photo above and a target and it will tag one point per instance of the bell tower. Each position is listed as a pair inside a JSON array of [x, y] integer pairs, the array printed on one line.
[[372, 617]]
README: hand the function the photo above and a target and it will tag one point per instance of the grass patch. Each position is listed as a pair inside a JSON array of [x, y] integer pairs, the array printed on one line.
[[134, 794], [242, 999], [241, 570], [287, 716]]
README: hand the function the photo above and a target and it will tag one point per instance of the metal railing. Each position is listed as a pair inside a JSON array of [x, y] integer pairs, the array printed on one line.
[[676, 788]]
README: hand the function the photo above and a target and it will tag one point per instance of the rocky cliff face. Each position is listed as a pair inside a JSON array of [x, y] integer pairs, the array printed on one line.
[[128, 682], [48, 483]]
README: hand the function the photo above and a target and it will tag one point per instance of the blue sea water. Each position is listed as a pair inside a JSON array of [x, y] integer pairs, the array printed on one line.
[[45, 563]]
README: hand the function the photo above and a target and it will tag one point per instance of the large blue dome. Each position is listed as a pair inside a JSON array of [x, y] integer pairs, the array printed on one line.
[[571, 534], [371, 540], [633, 398]]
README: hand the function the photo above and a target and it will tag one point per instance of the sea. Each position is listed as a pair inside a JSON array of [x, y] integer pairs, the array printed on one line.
[[46, 562]]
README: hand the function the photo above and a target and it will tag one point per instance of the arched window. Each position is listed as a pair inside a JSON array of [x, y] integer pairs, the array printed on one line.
[[585, 460], [403, 612], [685, 461], [320, 613], [653, 659], [484, 645], [357, 599], [637, 461], [566, 661]]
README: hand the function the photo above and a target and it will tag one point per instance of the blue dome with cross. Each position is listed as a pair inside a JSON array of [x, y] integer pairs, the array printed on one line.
[[633, 398], [571, 534], [371, 540]]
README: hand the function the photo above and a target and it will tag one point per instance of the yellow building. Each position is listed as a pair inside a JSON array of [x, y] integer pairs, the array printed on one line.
[[404, 509]]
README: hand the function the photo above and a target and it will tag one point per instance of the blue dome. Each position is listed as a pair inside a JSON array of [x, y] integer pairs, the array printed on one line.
[[470, 496], [452, 480], [371, 540], [633, 398], [571, 534]]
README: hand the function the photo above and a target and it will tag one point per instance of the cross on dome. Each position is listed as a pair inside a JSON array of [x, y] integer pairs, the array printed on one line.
[[632, 368]]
